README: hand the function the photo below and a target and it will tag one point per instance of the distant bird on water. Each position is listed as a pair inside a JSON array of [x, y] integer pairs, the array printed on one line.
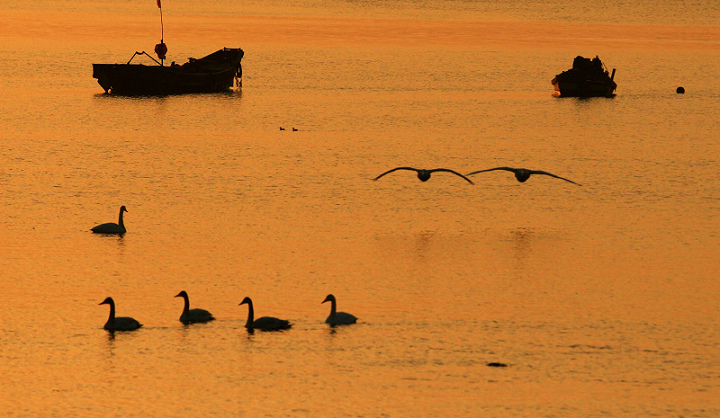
[[424, 175], [121, 323], [522, 174], [191, 316], [110, 227], [338, 318], [266, 323]]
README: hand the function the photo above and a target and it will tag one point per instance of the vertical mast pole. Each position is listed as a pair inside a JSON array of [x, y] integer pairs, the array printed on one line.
[[161, 48], [162, 28]]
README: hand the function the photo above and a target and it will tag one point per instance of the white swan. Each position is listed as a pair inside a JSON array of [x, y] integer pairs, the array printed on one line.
[[190, 316], [266, 323], [121, 323], [110, 227], [338, 318]]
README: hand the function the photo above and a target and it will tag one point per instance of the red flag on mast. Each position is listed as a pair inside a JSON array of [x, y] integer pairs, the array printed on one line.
[[159, 6]]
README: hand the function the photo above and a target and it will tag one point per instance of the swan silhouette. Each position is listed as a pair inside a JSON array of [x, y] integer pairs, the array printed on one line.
[[424, 175], [110, 227], [121, 323], [522, 174], [190, 316], [266, 323], [338, 318]]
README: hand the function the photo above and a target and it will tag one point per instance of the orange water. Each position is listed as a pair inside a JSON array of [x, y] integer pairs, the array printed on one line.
[[601, 299]]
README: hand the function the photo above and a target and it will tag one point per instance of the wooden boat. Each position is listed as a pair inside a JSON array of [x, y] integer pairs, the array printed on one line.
[[214, 73], [586, 78]]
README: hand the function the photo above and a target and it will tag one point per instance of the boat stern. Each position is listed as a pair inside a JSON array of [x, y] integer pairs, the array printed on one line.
[[103, 74]]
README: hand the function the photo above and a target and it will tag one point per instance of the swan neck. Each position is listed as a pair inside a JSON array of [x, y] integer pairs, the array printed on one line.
[[187, 304], [112, 312], [251, 315], [333, 307], [120, 219]]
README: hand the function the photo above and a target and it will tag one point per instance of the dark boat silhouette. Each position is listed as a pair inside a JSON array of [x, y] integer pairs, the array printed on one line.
[[214, 73], [586, 78]]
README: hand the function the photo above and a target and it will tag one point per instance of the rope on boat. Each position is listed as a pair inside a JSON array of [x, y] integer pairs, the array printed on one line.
[[143, 53]]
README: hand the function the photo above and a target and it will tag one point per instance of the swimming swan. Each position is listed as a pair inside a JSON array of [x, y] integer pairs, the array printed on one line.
[[110, 227], [424, 175], [266, 323], [122, 323], [522, 174], [190, 316], [338, 318]]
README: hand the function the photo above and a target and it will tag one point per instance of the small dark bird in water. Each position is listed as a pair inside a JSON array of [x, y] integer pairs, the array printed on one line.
[[295, 130], [111, 227], [266, 323], [680, 90], [191, 316], [424, 175], [120, 323], [282, 129], [335, 317], [522, 174]]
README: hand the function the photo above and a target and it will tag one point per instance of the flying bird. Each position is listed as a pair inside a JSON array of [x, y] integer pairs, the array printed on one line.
[[424, 175], [522, 174]]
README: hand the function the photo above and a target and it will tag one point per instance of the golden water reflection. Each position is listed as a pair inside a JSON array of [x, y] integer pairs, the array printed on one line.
[[601, 299]]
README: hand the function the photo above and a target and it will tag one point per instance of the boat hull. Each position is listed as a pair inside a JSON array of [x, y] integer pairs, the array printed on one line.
[[587, 78], [584, 88], [215, 73]]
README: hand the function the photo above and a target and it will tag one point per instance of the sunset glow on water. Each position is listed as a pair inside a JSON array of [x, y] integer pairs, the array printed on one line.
[[601, 299]]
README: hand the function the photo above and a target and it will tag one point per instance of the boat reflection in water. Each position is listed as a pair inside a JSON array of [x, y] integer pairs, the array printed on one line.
[[214, 73], [586, 78]]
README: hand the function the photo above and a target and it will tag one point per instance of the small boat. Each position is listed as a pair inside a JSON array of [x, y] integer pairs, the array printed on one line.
[[586, 78], [214, 73], [211, 74]]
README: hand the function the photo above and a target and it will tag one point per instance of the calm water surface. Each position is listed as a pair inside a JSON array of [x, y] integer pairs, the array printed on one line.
[[601, 299]]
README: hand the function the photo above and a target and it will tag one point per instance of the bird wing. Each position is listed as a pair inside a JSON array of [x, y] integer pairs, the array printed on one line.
[[451, 171], [553, 175], [492, 169], [395, 169]]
